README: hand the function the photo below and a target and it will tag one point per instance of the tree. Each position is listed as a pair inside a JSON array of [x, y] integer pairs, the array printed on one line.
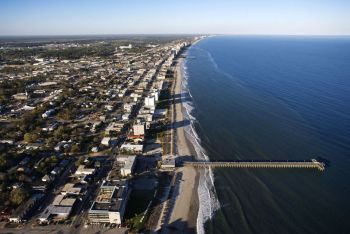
[[79, 161], [3, 160], [27, 138], [59, 132], [18, 196], [30, 137], [75, 148]]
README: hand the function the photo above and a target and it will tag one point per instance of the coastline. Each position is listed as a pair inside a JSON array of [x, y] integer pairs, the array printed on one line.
[[184, 215]]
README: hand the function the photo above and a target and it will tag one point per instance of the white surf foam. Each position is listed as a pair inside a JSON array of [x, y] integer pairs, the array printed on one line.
[[206, 189]]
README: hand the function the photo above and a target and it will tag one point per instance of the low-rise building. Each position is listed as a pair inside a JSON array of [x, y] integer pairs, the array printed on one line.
[[20, 214], [127, 164], [106, 141], [109, 206], [138, 129], [82, 170], [71, 189], [132, 148]]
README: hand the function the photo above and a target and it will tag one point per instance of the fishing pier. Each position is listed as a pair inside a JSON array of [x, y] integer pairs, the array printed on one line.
[[311, 164]]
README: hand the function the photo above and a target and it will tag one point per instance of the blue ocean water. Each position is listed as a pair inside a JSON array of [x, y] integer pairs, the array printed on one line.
[[275, 98]]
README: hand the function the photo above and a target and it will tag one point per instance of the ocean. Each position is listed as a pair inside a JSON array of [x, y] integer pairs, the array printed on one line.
[[271, 98]]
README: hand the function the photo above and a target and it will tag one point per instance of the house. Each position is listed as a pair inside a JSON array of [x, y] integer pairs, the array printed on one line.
[[34, 146], [125, 116], [128, 107], [20, 214], [94, 149], [20, 96], [48, 113], [138, 129], [114, 127], [82, 170], [51, 127], [106, 141], [62, 145], [71, 189], [47, 178], [109, 107], [39, 186], [56, 171]]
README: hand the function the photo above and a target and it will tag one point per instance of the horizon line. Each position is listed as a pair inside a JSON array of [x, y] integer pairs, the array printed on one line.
[[175, 34]]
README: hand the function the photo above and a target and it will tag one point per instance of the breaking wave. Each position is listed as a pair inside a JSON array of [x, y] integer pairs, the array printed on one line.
[[206, 189]]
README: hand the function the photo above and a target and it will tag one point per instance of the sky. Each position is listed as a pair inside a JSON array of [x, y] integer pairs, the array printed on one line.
[[77, 17]]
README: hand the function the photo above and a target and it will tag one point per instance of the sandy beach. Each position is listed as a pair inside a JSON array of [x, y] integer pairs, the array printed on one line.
[[184, 214]]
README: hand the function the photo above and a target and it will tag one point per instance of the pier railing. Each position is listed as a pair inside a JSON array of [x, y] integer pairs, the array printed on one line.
[[312, 164]]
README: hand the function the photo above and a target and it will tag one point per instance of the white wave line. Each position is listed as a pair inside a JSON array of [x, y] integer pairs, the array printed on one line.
[[206, 190]]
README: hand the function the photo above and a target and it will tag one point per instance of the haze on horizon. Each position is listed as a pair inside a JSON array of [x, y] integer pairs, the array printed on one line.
[[283, 17]]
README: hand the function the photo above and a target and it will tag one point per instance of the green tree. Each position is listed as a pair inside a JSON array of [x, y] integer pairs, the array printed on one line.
[[30, 137], [18, 196], [27, 137], [3, 160], [59, 132], [79, 161], [75, 148]]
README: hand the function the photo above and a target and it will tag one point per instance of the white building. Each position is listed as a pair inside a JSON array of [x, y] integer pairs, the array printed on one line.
[[155, 94], [128, 106], [128, 164], [139, 129], [125, 47], [106, 141], [134, 148], [82, 170], [150, 101]]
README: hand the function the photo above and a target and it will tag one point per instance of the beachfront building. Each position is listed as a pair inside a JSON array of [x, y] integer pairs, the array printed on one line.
[[109, 206], [168, 163]]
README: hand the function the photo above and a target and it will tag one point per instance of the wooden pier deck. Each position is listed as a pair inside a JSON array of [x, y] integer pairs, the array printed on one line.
[[311, 164]]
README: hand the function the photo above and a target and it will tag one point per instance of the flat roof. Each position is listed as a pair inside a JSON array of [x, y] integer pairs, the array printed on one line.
[[100, 206], [111, 197], [60, 210], [68, 202], [115, 206], [57, 200]]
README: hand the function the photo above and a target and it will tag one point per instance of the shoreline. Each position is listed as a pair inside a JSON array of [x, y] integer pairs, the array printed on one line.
[[183, 218]]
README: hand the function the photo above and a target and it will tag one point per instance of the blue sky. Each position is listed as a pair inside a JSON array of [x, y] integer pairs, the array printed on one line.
[[62, 17]]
